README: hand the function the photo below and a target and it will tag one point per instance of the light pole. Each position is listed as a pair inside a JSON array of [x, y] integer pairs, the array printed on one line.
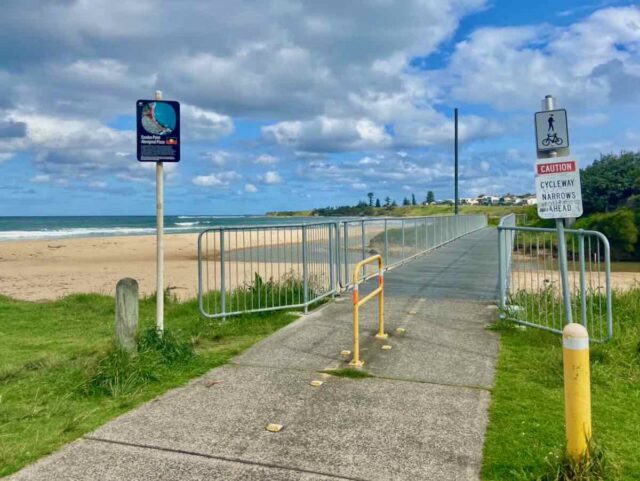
[[455, 157]]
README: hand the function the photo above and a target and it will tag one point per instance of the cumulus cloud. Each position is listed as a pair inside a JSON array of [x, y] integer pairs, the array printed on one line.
[[439, 131], [220, 179], [271, 177], [219, 157], [592, 61], [369, 161], [325, 134], [199, 124], [266, 159], [320, 78], [41, 178], [301, 59], [131, 170], [250, 188]]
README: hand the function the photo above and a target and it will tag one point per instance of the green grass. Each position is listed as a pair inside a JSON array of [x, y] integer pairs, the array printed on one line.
[[61, 377], [525, 436]]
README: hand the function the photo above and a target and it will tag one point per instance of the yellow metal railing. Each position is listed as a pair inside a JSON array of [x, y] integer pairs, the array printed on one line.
[[357, 302]]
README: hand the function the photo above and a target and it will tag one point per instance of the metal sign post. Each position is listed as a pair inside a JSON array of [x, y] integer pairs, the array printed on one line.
[[158, 140], [557, 183], [159, 240]]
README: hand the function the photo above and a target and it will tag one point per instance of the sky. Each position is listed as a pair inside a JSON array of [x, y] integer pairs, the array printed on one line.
[[292, 104]]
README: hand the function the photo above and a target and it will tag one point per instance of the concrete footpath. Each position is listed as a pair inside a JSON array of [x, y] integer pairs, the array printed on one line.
[[421, 417]]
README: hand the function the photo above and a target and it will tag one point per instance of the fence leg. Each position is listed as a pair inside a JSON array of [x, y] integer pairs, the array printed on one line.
[[583, 287], [346, 254], [305, 270], [607, 263], [426, 235], [364, 255], [338, 258], [402, 255], [332, 280], [386, 245], [223, 294], [501, 270]]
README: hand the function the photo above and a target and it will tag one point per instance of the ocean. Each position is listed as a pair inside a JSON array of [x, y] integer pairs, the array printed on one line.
[[30, 228]]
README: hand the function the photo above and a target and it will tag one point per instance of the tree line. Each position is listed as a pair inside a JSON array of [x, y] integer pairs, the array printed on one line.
[[371, 206]]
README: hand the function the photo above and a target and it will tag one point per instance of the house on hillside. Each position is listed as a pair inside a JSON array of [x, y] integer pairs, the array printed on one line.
[[488, 200]]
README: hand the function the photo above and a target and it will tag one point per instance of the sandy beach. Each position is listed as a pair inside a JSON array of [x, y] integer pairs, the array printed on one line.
[[48, 269], [39, 270], [532, 281]]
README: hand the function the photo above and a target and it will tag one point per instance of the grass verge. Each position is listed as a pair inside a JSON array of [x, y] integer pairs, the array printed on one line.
[[60, 375], [525, 435]]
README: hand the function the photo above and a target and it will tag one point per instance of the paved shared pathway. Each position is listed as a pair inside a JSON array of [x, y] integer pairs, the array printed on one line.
[[422, 416]]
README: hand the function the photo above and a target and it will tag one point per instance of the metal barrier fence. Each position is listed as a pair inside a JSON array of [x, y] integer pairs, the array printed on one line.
[[398, 240], [261, 268], [530, 282]]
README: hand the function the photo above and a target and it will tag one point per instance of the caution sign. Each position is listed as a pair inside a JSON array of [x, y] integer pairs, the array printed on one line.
[[158, 130], [558, 189]]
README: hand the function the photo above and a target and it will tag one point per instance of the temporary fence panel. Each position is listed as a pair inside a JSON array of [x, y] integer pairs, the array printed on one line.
[[530, 281], [262, 268]]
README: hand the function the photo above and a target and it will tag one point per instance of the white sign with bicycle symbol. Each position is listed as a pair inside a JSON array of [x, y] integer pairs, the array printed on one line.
[[552, 131]]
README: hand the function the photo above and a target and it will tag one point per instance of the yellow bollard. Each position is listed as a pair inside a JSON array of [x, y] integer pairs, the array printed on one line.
[[577, 389], [355, 361]]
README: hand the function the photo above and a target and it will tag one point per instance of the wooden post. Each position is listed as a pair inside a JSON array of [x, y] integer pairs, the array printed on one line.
[[127, 314]]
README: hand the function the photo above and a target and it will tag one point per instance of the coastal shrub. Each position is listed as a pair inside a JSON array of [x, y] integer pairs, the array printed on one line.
[[619, 227], [610, 181]]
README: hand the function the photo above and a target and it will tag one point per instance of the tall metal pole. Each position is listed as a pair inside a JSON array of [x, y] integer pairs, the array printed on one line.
[[455, 155], [549, 103], [159, 241]]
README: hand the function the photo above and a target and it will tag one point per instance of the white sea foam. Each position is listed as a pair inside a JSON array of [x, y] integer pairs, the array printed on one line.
[[84, 232], [187, 223]]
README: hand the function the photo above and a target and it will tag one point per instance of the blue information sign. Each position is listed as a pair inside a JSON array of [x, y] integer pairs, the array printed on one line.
[[158, 130]]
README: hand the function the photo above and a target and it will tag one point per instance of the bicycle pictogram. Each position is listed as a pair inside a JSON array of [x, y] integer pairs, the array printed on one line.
[[552, 132], [552, 139]]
